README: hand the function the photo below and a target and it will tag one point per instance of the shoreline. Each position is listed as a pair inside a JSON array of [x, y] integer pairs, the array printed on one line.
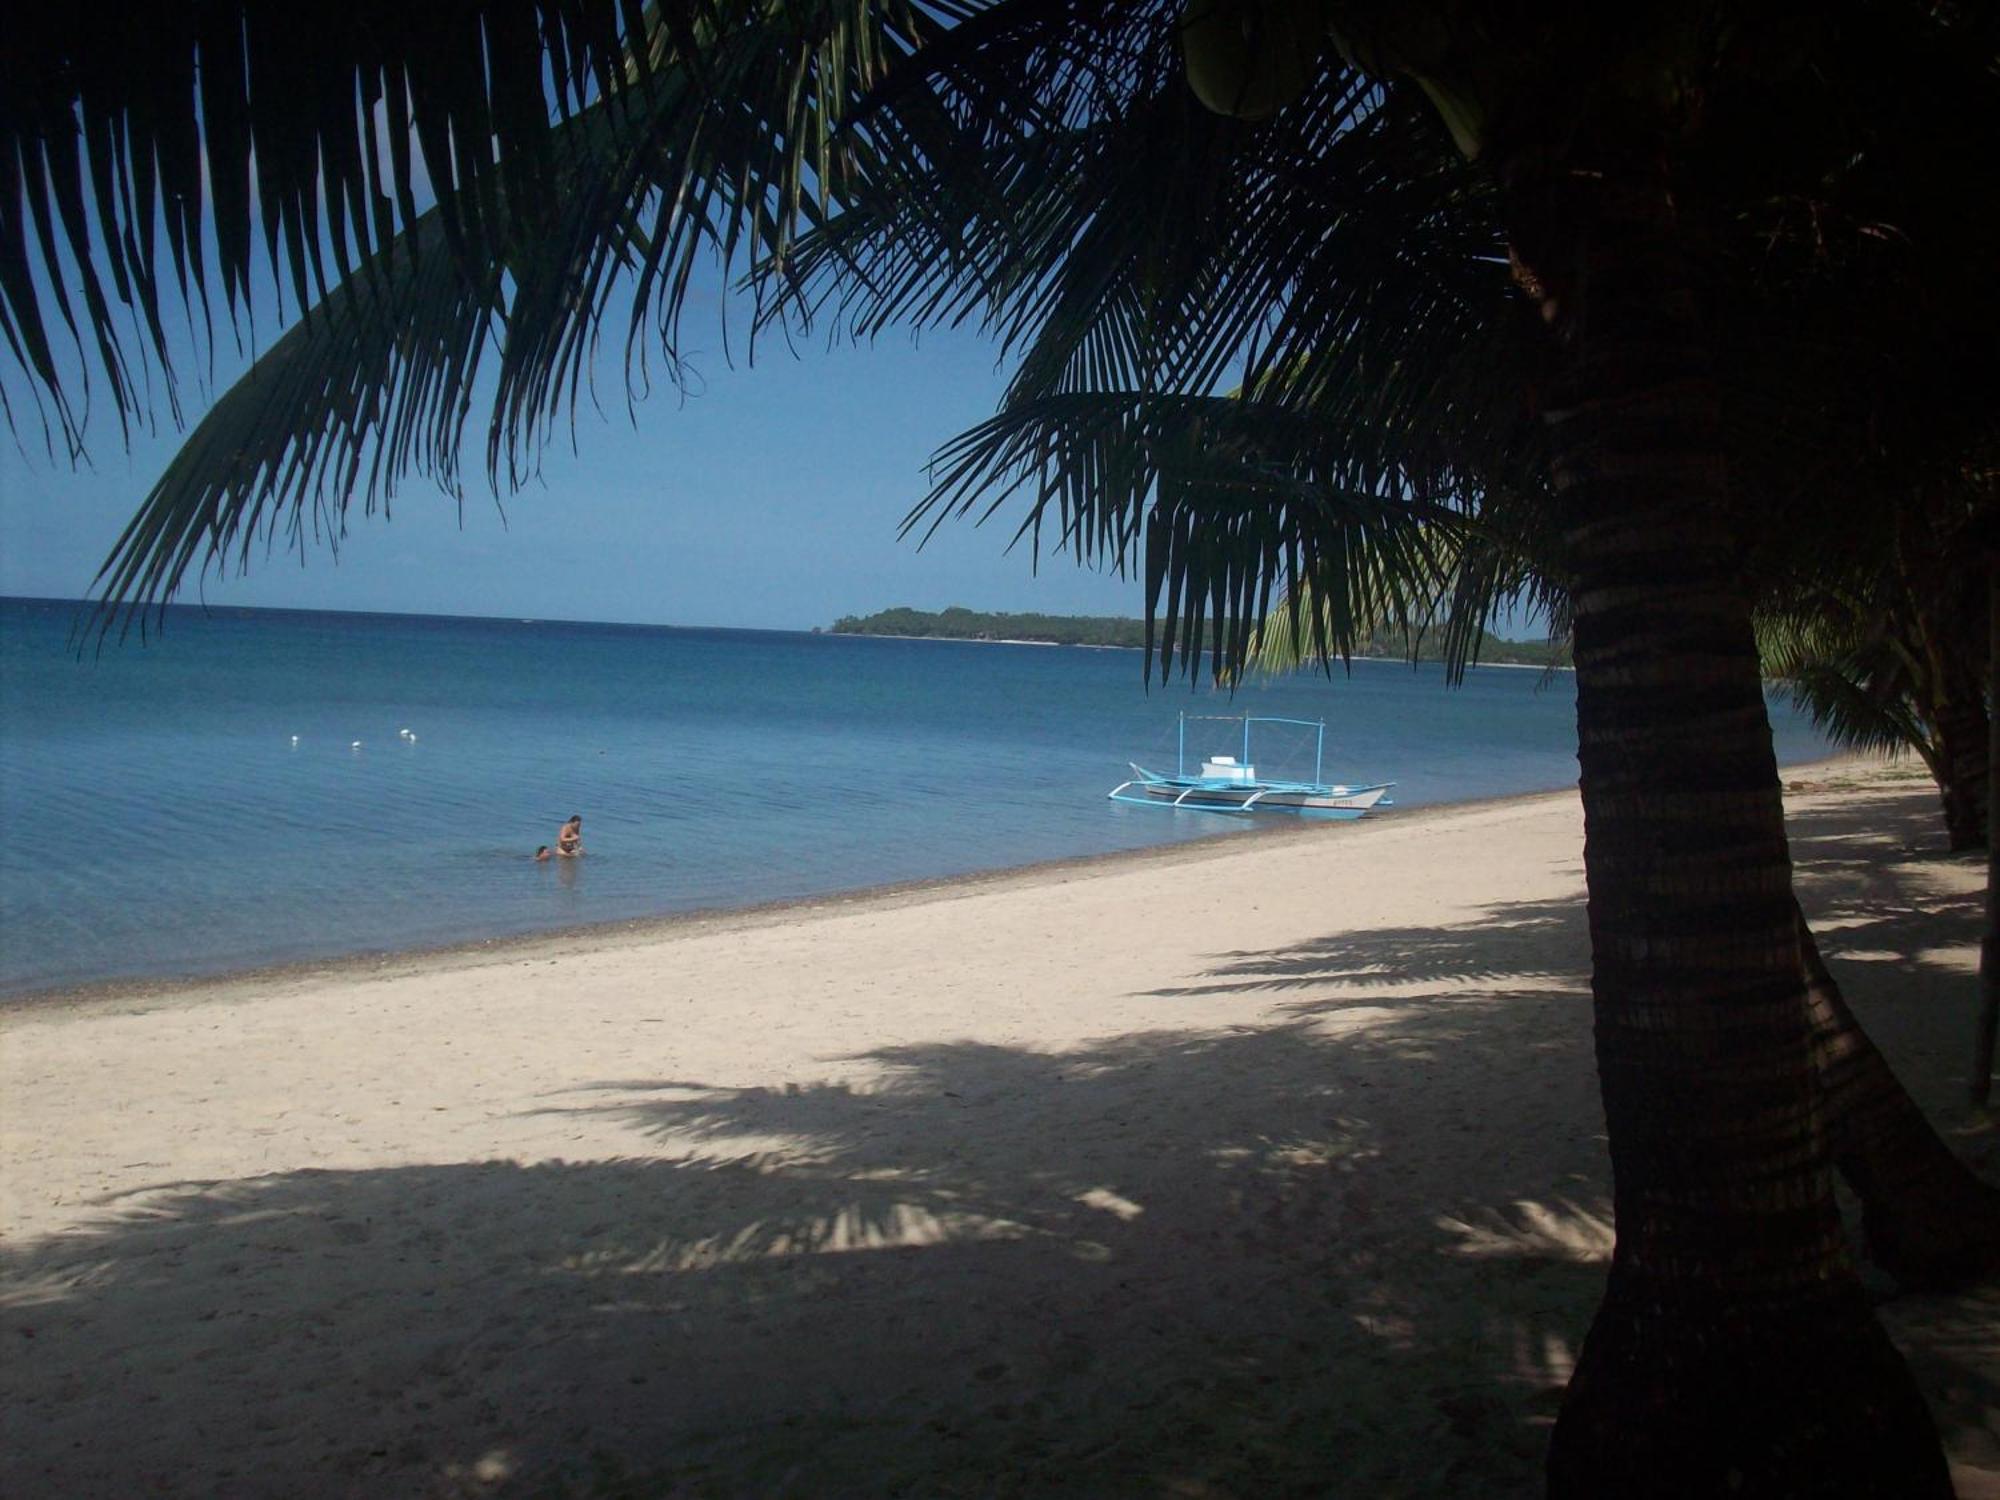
[[994, 640], [150, 991]]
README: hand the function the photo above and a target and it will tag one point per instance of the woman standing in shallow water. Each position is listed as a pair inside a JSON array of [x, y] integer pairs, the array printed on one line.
[[569, 837]]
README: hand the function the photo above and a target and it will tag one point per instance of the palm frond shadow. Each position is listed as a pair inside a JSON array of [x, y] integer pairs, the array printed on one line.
[[1301, 1256], [1879, 901], [976, 1272], [1515, 945], [1899, 922], [1832, 840]]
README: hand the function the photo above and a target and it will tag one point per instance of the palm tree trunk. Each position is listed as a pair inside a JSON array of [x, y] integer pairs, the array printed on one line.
[[1962, 777], [1734, 1352], [1989, 945], [1926, 1218]]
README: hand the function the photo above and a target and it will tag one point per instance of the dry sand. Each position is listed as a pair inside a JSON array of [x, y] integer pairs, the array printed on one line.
[[1269, 1166]]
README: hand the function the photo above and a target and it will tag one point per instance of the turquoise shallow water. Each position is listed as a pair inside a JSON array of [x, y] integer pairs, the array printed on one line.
[[161, 821]]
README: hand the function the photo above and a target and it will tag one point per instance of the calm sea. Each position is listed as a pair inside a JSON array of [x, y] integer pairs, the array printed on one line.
[[161, 818]]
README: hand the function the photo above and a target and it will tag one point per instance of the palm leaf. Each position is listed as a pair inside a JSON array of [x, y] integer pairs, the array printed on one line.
[[1109, 431], [376, 382], [267, 140]]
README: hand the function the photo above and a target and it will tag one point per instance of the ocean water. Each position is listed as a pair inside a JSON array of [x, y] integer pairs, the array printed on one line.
[[162, 820]]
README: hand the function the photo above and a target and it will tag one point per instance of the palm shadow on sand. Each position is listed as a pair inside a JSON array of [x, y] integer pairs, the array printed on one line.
[[1283, 1258]]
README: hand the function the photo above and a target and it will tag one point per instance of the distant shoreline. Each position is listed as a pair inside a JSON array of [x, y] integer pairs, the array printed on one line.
[[976, 640], [1123, 632], [987, 640], [218, 610]]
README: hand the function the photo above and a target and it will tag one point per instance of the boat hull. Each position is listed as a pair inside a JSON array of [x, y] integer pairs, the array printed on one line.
[[1203, 794]]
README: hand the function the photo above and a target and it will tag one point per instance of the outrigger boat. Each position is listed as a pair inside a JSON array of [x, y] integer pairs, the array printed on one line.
[[1227, 784]]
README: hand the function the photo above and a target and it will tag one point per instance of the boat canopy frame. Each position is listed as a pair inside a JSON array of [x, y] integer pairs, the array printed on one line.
[[1317, 725]]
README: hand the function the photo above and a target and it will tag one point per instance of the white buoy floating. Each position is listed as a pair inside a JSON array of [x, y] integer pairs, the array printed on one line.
[[355, 746], [295, 739]]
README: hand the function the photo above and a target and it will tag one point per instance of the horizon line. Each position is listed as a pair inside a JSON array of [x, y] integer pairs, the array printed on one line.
[[205, 607]]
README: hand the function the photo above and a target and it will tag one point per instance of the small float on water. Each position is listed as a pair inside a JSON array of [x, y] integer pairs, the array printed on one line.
[[1230, 783]]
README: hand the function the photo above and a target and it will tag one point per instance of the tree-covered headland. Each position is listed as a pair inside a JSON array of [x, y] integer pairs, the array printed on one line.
[[959, 624]]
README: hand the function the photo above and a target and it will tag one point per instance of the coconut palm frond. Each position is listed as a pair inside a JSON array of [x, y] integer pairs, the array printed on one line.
[[717, 135], [1110, 433], [1477, 570], [371, 387], [269, 142], [1843, 661], [785, 139], [1164, 247], [1854, 713], [1886, 640], [1224, 538], [1303, 625], [1060, 236], [1226, 501]]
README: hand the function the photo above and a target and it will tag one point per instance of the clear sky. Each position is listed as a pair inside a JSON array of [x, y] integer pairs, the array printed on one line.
[[769, 499]]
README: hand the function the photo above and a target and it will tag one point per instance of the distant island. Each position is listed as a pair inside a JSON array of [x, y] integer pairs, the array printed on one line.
[[957, 624]]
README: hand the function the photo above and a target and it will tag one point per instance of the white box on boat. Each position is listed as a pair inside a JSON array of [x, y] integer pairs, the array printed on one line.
[[1224, 768]]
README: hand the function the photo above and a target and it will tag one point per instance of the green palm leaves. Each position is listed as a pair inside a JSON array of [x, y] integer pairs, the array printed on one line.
[[577, 154], [1252, 357], [288, 142], [863, 163], [1040, 169]]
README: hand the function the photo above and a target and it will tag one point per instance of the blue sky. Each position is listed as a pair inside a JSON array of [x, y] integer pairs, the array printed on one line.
[[769, 499]]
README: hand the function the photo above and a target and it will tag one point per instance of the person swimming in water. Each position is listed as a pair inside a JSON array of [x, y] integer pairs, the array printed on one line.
[[541, 852], [569, 837]]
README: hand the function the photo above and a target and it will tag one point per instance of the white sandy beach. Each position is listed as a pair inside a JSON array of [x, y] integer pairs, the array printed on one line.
[[1266, 1166]]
